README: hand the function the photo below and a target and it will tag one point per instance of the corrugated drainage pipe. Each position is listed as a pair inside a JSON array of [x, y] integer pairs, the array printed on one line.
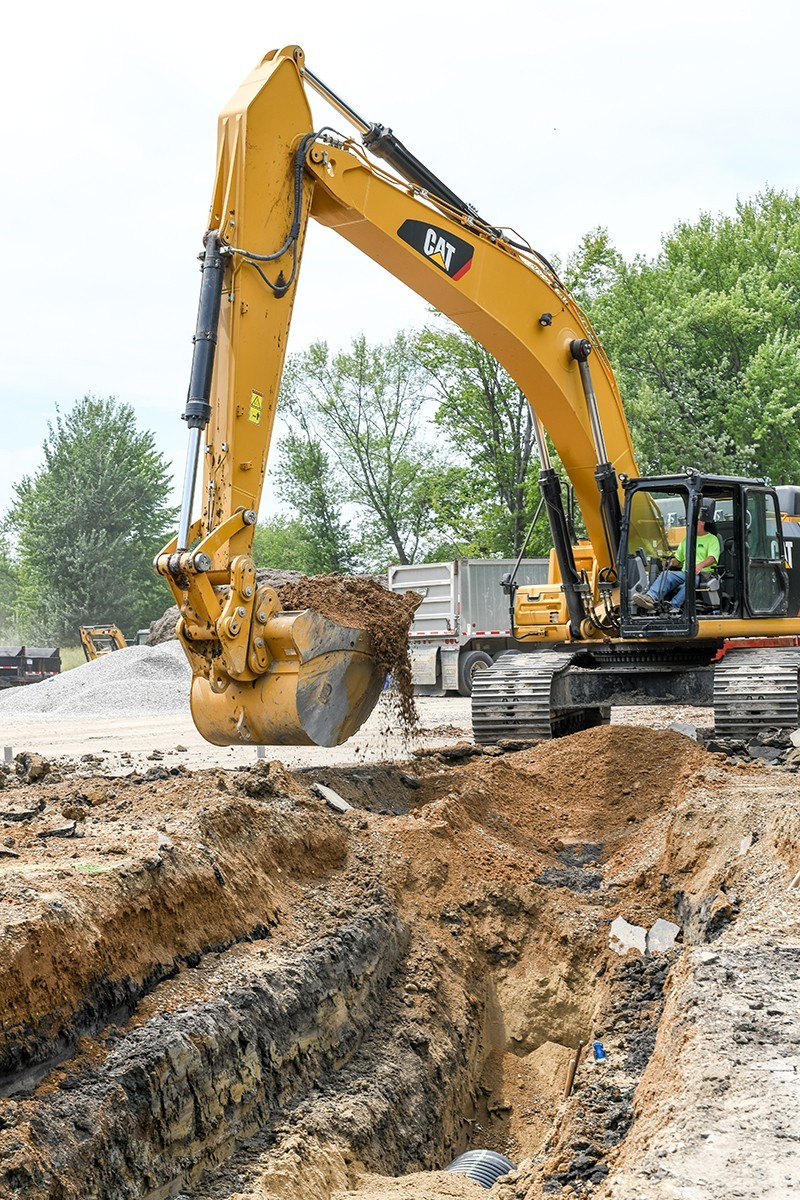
[[484, 1166]]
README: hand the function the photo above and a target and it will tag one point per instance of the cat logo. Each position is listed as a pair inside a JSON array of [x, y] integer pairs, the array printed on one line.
[[438, 249], [444, 250]]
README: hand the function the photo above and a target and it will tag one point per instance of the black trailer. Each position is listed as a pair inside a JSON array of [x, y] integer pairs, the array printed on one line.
[[28, 664]]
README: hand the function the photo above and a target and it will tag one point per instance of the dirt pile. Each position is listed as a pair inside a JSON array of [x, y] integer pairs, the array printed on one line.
[[163, 629], [214, 986], [364, 603]]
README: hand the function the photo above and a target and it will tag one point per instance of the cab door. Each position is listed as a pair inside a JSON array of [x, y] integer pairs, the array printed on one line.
[[655, 522], [766, 580]]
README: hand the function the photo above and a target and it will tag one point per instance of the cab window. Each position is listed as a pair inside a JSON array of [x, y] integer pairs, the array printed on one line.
[[765, 575]]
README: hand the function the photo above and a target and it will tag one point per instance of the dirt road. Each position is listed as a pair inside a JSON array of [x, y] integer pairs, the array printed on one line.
[[172, 734]]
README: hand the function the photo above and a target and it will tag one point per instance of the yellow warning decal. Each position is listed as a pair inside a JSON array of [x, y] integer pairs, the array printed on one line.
[[256, 405]]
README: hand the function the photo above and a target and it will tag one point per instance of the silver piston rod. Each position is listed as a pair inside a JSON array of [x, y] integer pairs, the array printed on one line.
[[550, 487], [336, 101], [580, 350], [541, 443], [605, 475], [189, 481], [198, 402]]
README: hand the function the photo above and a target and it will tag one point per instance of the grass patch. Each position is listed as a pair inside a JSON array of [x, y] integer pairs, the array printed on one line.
[[72, 656]]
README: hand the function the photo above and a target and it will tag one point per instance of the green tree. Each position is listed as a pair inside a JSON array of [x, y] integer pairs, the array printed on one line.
[[764, 413], [9, 588], [486, 504], [89, 522], [305, 479], [592, 269], [704, 339], [287, 544], [363, 408]]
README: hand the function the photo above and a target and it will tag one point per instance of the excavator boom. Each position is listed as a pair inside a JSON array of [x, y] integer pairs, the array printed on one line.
[[261, 674]]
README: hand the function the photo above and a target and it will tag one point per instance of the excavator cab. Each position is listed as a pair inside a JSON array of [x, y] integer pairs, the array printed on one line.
[[664, 519]]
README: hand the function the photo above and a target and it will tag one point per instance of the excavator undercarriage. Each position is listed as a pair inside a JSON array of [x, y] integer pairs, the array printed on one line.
[[531, 696]]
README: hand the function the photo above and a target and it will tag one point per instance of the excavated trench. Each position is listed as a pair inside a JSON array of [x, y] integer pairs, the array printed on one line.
[[215, 986]]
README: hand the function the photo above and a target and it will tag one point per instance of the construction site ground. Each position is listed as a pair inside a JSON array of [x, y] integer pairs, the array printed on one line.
[[215, 985]]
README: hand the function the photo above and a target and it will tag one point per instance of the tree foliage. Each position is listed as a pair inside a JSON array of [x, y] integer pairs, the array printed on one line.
[[360, 410], [486, 504], [88, 523], [305, 479], [286, 544], [705, 338], [9, 588]]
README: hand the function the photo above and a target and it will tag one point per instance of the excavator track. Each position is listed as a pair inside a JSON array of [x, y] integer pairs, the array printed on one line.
[[756, 690], [512, 700]]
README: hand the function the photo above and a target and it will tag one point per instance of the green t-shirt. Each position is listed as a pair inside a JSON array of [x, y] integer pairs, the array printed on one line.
[[707, 547]]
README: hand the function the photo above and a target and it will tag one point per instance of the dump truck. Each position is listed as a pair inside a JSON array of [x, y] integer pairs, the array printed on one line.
[[464, 620]]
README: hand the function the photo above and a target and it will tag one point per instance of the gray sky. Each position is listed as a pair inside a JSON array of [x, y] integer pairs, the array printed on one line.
[[550, 118]]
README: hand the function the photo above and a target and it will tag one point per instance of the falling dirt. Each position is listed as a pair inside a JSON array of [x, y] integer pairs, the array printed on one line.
[[364, 603], [215, 987]]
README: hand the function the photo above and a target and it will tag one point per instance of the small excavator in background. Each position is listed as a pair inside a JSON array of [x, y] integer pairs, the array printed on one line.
[[98, 640], [268, 676]]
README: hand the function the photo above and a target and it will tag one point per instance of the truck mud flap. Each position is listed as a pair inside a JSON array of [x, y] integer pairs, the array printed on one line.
[[424, 665]]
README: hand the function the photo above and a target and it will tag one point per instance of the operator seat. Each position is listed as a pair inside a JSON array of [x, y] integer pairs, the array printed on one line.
[[708, 592], [638, 576], [726, 569]]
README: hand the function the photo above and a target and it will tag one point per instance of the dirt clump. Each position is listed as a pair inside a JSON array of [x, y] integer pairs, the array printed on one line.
[[364, 603], [163, 628]]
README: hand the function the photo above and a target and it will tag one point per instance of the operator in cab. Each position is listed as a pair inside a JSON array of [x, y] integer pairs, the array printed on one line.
[[671, 583]]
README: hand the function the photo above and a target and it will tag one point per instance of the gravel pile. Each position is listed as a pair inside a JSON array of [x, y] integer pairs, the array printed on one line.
[[138, 682]]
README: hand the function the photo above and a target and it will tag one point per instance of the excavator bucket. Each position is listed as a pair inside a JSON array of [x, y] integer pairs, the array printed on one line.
[[321, 685]]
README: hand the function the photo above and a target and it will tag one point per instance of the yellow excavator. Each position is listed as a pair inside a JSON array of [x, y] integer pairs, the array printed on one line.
[[98, 640], [268, 676]]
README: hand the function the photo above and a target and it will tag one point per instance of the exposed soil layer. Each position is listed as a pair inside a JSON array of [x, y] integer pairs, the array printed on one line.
[[215, 987]]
